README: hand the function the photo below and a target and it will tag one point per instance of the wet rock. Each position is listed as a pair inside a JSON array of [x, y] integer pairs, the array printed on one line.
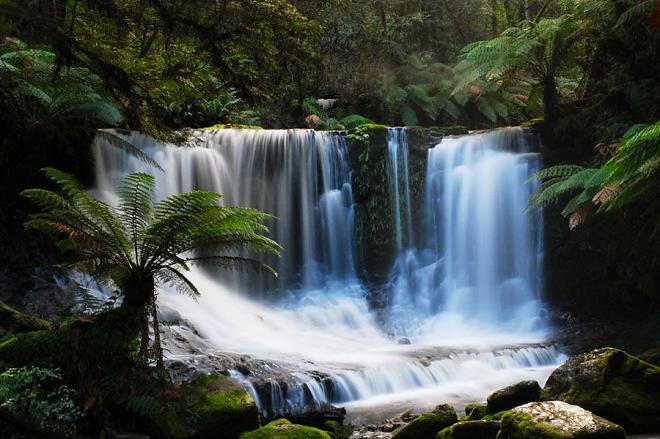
[[474, 412], [556, 420], [319, 416], [612, 384], [284, 429], [471, 430], [428, 425], [512, 396], [403, 340]]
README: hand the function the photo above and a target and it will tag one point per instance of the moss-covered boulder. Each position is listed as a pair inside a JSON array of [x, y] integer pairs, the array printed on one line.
[[210, 407], [12, 320], [474, 412], [283, 429], [612, 384], [428, 425], [471, 430], [512, 396], [556, 420]]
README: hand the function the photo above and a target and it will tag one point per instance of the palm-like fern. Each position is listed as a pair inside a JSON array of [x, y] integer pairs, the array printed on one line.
[[141, 243], [538, 52], [631, 175]]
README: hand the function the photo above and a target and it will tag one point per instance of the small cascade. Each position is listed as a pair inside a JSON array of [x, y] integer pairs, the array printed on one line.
[[307, 391]]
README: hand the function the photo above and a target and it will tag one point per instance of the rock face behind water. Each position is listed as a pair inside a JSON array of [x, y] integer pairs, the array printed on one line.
[[612, 384], [428, 425], [512, 396], [556, 420]]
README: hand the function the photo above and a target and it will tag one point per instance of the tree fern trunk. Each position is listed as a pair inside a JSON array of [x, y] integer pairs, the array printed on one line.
[[158, 348]]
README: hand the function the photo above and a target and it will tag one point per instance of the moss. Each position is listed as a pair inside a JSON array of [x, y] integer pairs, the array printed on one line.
[[471, 430], [337, 430], [237, 126], [283, 429], [16, 321], [427, 425], [612, 384], [521, 426], [474, 412], [206, 406]]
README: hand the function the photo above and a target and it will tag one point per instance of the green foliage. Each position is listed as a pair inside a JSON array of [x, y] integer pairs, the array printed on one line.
[[283, 429], [140, 243], [39, 394], [632, 175]]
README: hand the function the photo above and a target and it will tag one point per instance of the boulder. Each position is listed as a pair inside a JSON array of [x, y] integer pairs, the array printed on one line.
[[556, 420], [513, 396], [428, 425], [471, 430], [284, 429], [612, 384], [211, 407], [474, 412]]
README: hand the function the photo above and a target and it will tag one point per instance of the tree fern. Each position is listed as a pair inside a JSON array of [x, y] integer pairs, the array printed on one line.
[[138, 243]]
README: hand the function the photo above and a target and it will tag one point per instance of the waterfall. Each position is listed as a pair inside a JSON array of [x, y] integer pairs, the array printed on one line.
[[299, 176], [480, 262], [398, 176], [464, 288]]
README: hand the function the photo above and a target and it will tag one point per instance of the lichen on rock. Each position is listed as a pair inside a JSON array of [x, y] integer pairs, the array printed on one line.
[[556, 420]]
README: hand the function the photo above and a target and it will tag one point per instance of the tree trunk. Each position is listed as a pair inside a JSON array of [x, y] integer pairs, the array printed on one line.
[[138, 291], [158, 348]]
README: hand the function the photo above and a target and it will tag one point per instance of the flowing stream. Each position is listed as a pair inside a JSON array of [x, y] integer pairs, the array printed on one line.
[[464, 315]]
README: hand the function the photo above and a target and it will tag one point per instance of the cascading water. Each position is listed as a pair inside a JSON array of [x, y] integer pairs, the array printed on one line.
[[480, 263], [311, 335]]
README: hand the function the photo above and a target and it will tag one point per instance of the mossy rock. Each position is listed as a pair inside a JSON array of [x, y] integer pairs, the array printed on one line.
[[208, 407], [338, 430], [512, 396], [612, 384], [428, 425], [12, 320], [283, 429], [471, 430], [474, 412], [228, 126], [556, 420]]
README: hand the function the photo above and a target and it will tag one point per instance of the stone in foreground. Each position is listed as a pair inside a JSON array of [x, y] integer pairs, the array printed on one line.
[[210, 407], [513, 396], [283, 429], [428, 425], [556, 420], [475, 412], [612, 384], [471, 430]]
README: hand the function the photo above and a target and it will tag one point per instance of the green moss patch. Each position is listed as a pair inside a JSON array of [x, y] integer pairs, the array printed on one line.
[[207, 406], [471, 430], [474, 412], [283, 429], [427, 425], [15, 321]]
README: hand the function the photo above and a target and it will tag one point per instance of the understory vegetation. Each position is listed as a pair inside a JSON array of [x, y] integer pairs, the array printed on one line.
[[582, 73]]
